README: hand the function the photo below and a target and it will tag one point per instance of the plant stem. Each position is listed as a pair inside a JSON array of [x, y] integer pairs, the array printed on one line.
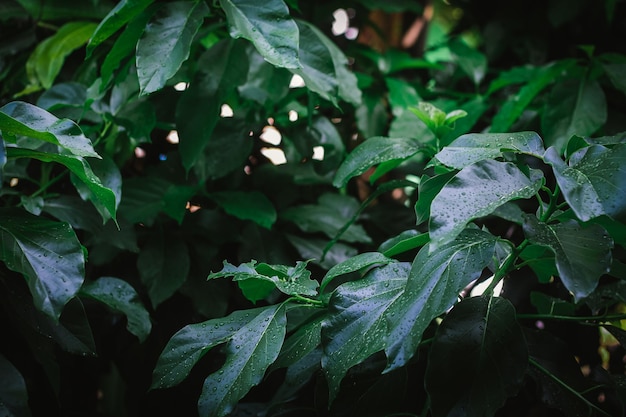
[[606, 317], [507, 266], [306, 300], [48, 184]]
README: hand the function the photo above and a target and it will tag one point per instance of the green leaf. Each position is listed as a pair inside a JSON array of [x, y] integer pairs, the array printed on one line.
[[23, 119], [404, 242], [47, 253], [476, 191], [474, 147], [354, 264], [402, 95], [221, 69], [356, 323], [190, 343], [79, 167], [306, 339], [13, 392], [110, 178], [232, 142], [428, 189], [591, 181], [252, 205], [249, 352], [472, 62], [573, 109], [583, 254], [477, 360], [121, 296], [163, 265], [48, 58], [374, 151], [434, 283], [166, 41], [270, 28], [122, 13], [617, 74]]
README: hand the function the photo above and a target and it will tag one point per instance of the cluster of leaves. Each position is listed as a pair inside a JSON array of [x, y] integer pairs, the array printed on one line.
[[415, 267]]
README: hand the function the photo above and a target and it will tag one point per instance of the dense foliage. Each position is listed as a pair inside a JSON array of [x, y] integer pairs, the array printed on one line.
[[216, 208]]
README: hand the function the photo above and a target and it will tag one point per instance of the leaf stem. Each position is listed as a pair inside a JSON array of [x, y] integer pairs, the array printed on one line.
[[306, 300], [48, 184], [605, 317]]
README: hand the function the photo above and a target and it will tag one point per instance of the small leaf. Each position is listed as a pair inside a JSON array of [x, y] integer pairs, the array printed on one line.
[[428, 189], [474, 147], [583, 255], [590, 182], [472, 62], [23, 119], [404, 242], [121, 296], [478, 359], [374, 151], [47, 253], [355, 264], [13, 392], [476, 191], [356, 325], [249, 352], [252, 205], [433, 286], [166, 41], [270, 28]]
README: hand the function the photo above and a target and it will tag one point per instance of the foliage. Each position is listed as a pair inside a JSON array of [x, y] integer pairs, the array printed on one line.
[[444, 236]]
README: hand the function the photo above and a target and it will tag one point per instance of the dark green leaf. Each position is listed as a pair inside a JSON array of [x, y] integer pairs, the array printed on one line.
[[110, 178], [247, 206], [166, 41], [477, 360], [300, 344], [266, 84], [313, 248], [471, 61], [541, 260], [121, 296], [546, 304], [270, 28], [47, 253], [143, 198], [356, 325], [573, 109], [617, 75], [401, 95], [372, 152], [428, 189], [13, 393], [249, 352], [476, 191], [591, 182], [31, 204], [404, 242], [354, 264], [234, 145], [73, 210], [163, 265], [583, 254], [475, 147], [22, 119], [434, 283]]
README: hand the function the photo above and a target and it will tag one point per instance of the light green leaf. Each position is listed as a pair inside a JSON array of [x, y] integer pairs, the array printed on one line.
[[354, 264], [593, 182], [476, 191], [121, 14], [270, 28], [478, 359], [474, 147], [121, 296], [471, 61], [47, 253], [166, 41], [402, 95], [573, 109], [249, 352], [79, 167], [13, 392], [48, 58], [244, 205], [583, 254], [356, 325], [374, 151], [23, 119], [434, 283]]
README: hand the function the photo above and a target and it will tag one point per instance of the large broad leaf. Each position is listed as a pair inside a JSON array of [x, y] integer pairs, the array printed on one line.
[[573, 109], [110, 177], [474, 147], [23, 119], [121, 14], [121, 296], [476, 191], [232, 142], [356, 323], [594, 180], [79, 167], [270, 28], [47, 253], [354, 264], [163, 265], [221, 69], [13, 393], [249, 352], [252, 205], [48, 58], [477, 360], [583, 254], [433, 286], [165, 43], [374, 151]]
